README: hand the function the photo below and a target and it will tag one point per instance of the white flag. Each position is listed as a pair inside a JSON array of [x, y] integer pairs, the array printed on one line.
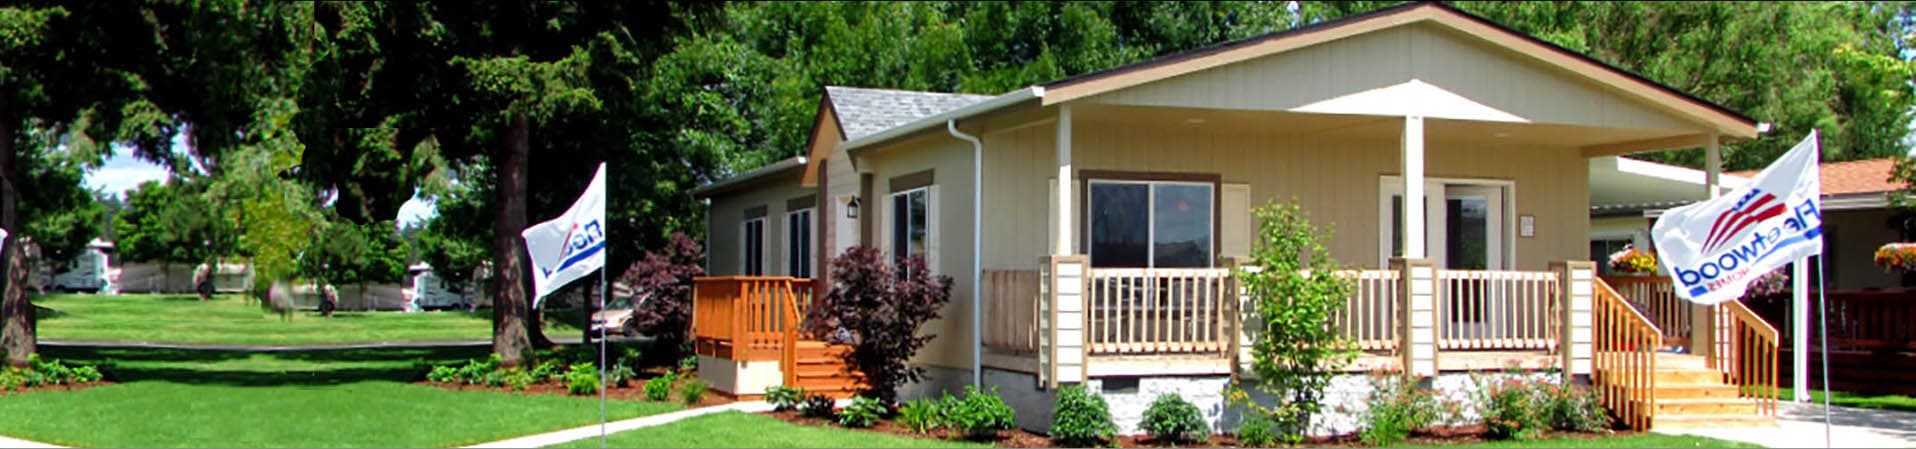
[[1715, 248], [571, 246]]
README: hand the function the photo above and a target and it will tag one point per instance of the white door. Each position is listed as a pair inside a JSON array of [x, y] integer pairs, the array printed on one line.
[[1464, 230]]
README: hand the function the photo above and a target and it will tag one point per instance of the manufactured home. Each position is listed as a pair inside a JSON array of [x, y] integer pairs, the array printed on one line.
[[1091, 225]]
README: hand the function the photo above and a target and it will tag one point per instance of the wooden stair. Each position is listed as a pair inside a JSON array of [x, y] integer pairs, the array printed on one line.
[[821, 370], [1689, 394]]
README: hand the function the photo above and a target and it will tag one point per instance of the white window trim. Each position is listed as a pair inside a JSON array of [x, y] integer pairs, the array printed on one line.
[[1151, 226], [1388, 185], [745, 251], [931, 223], [811, 241]]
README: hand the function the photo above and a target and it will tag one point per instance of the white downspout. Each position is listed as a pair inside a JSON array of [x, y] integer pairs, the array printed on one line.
[[977, 250]]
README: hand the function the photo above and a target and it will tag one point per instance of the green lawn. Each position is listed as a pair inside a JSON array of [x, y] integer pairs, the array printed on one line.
[[1646, 440], [356, 398], [734, 429], [230, 320], [1838, 398]]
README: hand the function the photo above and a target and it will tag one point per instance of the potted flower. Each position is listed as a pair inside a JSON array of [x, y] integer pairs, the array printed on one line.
[[1897, 256], [1632, 261], [1770, 285]]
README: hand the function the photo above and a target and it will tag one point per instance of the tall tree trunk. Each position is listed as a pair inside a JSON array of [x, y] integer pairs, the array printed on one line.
[[509, 307], [16, 313]]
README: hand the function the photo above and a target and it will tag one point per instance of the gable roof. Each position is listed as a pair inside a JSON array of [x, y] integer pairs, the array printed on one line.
[[863, 112], [1730, 122], [1851, 177]]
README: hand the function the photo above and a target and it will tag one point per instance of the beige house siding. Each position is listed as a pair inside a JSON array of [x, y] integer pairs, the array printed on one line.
[[1335, 177], [950, 161], [726, 217], [1499, 78]]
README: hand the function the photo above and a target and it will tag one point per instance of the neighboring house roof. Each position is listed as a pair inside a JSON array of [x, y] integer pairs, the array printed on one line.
[[1621, 185], [728, 184], [863, 112], [1852, 177]]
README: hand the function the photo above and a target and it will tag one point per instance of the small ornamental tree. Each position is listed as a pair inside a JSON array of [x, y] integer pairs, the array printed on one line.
[[1295, 350], [662, 282], [876, 305]]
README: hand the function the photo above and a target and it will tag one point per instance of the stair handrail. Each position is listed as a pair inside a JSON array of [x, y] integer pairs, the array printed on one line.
[[1625, 357], [1748, 357]]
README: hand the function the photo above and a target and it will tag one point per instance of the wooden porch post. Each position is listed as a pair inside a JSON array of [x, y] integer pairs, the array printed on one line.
[[1702, 324], [1417, 314], [1576, 290], [1413, 169]]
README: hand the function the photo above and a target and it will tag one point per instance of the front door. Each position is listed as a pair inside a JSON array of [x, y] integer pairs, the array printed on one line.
[[1463, 224]]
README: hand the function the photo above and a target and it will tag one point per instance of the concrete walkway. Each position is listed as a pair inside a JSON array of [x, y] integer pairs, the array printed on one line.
[[1801, 425], [19, 443], [592, 431]]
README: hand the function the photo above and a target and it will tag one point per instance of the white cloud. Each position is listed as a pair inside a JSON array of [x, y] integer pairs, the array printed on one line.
[[122, 172]]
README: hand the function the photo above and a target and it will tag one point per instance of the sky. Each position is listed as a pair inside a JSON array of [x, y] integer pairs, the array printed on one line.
[[123, 172]]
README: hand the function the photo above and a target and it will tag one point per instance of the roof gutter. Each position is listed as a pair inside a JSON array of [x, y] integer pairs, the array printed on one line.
[[723, 185], [939, 120]]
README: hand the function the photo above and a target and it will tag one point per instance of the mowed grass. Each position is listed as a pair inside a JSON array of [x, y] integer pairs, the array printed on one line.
[[356, 398], [233, 321], [1644, 440], [734, 429], [1858, 400]]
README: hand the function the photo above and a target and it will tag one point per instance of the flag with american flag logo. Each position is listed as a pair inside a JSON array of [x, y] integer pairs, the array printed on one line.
[[1714, 249]]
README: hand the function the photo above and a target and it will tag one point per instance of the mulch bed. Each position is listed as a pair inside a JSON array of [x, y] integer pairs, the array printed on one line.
[[61, 387], [1022, 438], [633, 391]]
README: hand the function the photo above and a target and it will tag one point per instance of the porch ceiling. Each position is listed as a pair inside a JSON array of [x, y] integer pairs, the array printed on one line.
[[1436, 130]]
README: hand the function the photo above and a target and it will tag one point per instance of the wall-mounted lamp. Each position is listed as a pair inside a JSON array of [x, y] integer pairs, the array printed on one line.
[[851, 209]]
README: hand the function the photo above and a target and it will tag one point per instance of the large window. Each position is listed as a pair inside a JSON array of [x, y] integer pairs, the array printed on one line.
[[752, 246], [798, 243], [1151, 224], [911, 222]]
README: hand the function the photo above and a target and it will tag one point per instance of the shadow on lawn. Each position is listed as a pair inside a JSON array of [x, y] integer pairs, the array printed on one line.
[[316, 367]]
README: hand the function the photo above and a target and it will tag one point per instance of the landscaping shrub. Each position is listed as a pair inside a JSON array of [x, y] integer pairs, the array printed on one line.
[[443, 374], [981, 414], [1574, 408], [880, 302], [86, 374], [1172, 419], [1397, 407], [1293, 295], [494, 378], [619, 375], [519, 379], [783, 398], [11, 379], [664, 277], [817, 406], [693, 392], [659, 389], [1255, 431], [582, 379], [922, 415], [1513, 408], [1081, 419], [548, 370], [861, 413], [689, 364]]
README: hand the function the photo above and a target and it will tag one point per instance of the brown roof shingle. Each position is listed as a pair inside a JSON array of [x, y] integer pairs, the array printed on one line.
[[1841, 178]]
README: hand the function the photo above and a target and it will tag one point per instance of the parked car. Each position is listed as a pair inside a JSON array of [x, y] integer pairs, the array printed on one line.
[[616, 318]]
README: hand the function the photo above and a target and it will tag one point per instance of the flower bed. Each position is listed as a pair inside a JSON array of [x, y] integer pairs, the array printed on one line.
[[49, 375], [1897, 256], [575, 373]]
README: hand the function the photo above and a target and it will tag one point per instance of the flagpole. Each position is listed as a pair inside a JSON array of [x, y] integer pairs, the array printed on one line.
[[1822, 318], [602, 370]]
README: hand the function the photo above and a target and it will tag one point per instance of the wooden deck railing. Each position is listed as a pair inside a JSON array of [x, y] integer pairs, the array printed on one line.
[[1748, 357], [1369, 318], [1654, 296], [747, 317], [1859, 320], [1624, 358], [1158, 310], [1498, 310], [1011, 308]]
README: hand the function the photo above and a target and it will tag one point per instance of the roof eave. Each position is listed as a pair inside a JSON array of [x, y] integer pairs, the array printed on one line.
[[747, 178]]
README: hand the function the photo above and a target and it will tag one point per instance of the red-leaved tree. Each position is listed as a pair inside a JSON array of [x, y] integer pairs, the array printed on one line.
[[875, 305], [662, 285]]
